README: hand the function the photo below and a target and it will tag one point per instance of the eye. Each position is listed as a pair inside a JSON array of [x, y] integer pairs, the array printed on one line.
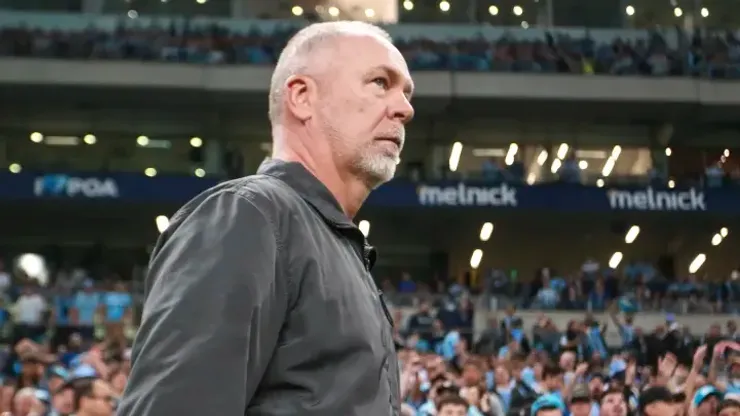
[[382, 82]]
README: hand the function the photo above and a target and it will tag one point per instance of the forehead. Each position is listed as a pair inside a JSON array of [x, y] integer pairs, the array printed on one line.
[[369, 51]]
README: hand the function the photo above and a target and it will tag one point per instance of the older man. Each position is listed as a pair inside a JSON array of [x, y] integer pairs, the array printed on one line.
[[259, 296]]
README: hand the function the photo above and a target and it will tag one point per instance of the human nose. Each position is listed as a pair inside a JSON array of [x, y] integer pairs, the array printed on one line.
[[401, 109]]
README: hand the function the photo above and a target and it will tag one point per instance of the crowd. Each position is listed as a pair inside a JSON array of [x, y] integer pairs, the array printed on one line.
[[68, 351], [698, 54], [67, 344]]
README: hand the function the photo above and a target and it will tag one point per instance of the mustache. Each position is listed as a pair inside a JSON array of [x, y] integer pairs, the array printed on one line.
[[397, 134]]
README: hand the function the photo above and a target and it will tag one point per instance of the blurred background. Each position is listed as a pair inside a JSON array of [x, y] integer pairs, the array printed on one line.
[[567, 155]]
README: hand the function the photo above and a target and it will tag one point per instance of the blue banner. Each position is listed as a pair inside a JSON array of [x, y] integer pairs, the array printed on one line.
[[137, 188], [557, 197], [124, 187]]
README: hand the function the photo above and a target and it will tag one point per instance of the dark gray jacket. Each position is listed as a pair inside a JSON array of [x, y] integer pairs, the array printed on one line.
[[260, 302]]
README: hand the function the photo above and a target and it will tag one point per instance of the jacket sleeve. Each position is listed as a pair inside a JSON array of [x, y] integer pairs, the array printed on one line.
[[212, 315]]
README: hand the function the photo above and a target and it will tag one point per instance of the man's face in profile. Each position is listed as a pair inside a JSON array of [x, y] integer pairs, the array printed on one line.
[[363, 105]]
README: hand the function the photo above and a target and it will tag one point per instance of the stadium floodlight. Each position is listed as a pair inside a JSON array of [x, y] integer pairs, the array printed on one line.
[[697, 263], [455, 154], [615, 259], [632, 234], [162, 223], [476, 258], [364, 226], [485, 231]]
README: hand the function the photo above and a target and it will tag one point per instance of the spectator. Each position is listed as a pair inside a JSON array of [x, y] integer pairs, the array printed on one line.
[[28, 314]]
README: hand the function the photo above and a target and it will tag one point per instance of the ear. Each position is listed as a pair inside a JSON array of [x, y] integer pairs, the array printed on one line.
[[300, 96]]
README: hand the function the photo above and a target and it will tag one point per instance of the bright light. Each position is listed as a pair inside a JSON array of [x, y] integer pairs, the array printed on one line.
[[629, 10], [555, 165], [583, 164], [364, 226], [476, 258], [600, 183], [333, 11], [704, 12], [33, 266], [616, 151], [726, 153], [369, 13], [150, 172], [444, 6], [485, 231], [408, 5], [513, 148], [716, 239], [142, 141], [542, 158], [297, 11], [37, 137], [697, 263], [677, 12], [132, 14], [162, 223], [615, 259], [608, 167], [455, 153], [531, 178], [196, 142], [562, 151], [518, 10], [200, 172], [90, 139], [493, 10], [668, 151], [525, 25], [632, 234], [723, 232], [671, 183], [201, 1], [15, 168]]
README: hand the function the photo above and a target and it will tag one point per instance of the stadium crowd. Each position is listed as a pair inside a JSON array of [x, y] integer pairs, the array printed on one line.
[[68, 349], [697, 54]]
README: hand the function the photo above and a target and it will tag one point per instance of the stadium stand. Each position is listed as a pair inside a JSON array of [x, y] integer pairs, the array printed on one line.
[[542, 326]]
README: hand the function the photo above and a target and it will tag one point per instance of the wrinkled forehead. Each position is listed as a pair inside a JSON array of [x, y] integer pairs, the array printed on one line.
[[367, 51]]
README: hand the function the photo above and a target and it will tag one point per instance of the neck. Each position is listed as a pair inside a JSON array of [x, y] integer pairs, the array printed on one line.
[[349, 190]]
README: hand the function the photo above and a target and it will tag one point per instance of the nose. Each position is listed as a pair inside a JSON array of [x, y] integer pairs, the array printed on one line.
[[401, 109]]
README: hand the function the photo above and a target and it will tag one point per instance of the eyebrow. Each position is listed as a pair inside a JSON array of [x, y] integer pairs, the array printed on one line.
[[408, 84]]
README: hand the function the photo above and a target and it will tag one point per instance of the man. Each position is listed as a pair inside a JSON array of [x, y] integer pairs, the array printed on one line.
[[86, 304], [29, 311], [452, 405], [548, 405], [613, 403], [706, 400], [93, 397], [580, 400], [729, 407], [656, 401], [259, 297]]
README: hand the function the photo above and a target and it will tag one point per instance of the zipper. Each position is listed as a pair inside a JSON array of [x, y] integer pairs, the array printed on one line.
[[385, 308]]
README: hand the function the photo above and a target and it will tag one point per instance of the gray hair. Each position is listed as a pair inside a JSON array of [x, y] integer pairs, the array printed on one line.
[[294, 59]]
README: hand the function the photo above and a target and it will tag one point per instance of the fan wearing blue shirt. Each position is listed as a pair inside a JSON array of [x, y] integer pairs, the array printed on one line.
[[60, 317], [117, 308], [86, 305]]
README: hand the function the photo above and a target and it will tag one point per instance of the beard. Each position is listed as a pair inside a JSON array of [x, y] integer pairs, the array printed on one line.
[[370, 162]]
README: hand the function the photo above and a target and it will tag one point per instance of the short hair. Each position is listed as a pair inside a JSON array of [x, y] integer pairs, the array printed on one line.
[[83, 387], [551, 370], [293, 58], [451, 400]]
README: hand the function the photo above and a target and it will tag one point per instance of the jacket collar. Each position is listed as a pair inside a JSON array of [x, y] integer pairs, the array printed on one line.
[[309, 188], [316, 194]]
